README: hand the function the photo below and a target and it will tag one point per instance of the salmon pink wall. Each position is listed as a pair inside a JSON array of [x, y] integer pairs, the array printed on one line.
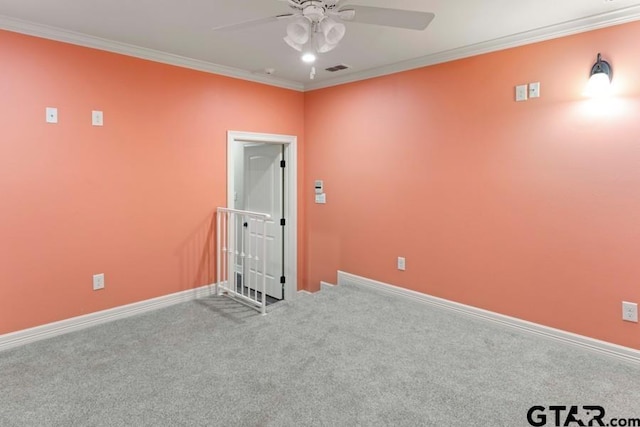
[[529, 209], [133, 199]]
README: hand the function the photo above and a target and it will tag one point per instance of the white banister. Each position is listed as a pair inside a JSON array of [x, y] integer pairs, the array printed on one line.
[[242, 253]]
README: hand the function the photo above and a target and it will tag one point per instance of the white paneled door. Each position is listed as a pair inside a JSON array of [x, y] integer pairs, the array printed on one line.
[[263, 192]]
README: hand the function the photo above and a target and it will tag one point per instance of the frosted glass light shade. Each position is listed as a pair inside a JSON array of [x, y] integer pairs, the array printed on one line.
[[321, 44], [296, 46], [299, 31], [598, 86], [333, 31]]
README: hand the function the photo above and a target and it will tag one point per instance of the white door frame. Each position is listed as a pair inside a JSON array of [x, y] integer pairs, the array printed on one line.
[[290, 195]]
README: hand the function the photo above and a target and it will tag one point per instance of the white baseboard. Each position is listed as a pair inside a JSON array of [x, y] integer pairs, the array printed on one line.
[[326, 284], [50, 330], [602, 347]]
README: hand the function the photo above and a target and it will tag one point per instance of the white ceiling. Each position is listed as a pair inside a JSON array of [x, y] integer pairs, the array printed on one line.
[[181, 32]]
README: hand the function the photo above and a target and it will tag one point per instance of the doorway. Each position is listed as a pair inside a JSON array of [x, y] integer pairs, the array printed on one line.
[[262, 177]]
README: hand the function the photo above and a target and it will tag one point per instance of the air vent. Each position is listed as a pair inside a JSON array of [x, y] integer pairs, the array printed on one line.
[[337, 68]]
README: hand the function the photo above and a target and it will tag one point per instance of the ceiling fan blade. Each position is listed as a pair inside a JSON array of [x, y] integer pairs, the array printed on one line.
[[252, 23], [344, 14], [409, 19]]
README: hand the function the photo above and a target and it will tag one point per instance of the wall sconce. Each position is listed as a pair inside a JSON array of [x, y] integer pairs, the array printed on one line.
[[599, 79]]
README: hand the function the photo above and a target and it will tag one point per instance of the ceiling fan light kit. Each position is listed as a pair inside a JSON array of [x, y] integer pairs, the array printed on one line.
[[323, 36], [317, 25]]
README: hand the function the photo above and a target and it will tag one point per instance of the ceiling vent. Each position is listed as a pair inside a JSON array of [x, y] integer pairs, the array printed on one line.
[[337, 68]]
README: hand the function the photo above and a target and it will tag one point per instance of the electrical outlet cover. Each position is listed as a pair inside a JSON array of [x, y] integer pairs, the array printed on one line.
[[630, 311], [534, 90], [51, 114]]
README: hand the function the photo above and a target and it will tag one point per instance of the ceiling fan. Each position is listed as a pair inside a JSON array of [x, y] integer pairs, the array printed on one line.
[[317, 26]]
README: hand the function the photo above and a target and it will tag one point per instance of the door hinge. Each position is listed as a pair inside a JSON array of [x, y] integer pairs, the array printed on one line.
[[283, 280], [283, 222], [283, 164]]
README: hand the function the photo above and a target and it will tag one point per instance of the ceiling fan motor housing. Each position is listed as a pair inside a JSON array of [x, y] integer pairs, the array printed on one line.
[[314, 11]]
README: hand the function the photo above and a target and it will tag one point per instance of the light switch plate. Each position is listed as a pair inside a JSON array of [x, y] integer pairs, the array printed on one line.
[[97, 118], [321, 199], [98, 281], [521, 93]]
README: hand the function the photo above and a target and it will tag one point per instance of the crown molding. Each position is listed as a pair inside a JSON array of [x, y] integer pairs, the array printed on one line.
[[576, 26], [66, 36], [594, 22]]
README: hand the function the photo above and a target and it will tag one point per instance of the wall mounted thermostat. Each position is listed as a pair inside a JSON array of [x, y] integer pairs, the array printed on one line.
[[319, 186]]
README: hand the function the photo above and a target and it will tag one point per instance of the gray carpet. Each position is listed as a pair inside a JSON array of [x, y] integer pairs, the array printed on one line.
[[345, 356]]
